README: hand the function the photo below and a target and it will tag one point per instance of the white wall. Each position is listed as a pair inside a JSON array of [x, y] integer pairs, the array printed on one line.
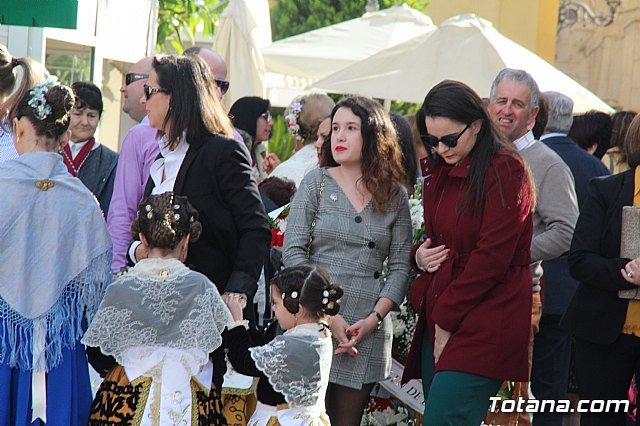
[[121, 32]]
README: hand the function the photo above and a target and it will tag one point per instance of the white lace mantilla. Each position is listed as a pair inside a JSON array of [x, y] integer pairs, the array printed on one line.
[[161, 320], [297, 364], [160, 303]]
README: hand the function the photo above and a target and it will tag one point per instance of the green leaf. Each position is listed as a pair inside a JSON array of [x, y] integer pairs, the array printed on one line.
[[291, 17], [281, 142], [179, 19]]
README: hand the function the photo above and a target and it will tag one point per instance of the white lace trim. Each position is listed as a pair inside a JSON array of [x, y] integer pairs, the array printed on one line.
[[292, 364], [183, 311], [162, 297], [158, 269]]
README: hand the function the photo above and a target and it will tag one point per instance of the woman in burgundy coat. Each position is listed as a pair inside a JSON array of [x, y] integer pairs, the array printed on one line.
[[474, 291]]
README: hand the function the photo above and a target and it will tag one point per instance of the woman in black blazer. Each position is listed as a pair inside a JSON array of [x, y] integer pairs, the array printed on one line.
[[607, 340], [199, 159]]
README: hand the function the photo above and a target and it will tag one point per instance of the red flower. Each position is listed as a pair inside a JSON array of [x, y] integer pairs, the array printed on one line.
[[277, 237]]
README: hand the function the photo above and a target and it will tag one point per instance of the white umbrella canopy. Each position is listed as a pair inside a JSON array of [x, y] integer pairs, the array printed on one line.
[[465, 48], [295, 62], [243, 30]]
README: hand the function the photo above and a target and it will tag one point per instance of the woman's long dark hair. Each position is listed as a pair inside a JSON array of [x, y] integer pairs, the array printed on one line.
[[458, 102], [194, 107], [381, 166], [405, 142]]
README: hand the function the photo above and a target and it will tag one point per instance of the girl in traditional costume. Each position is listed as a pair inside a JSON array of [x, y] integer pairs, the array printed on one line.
[[56, 253], [294, 367], [160, 322]]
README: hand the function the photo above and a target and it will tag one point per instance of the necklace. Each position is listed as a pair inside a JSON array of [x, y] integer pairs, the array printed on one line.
[[69, 161], [83, 154]]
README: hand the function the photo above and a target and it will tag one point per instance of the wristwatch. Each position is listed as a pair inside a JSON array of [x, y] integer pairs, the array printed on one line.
[[378, 316]]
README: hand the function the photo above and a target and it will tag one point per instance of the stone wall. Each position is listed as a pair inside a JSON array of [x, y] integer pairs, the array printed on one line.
[[605, 59]]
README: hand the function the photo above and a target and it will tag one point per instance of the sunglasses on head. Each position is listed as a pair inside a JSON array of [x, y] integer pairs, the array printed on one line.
[[223, 85], [267, 116], [449, 140], [148, 91], [131, 77]]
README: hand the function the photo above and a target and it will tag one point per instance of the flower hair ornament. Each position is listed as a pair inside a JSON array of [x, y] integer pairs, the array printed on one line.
[[38, 101], [293, 119]]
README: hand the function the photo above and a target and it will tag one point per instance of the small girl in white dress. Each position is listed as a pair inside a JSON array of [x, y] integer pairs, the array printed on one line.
[[294, 367], [160, 322]]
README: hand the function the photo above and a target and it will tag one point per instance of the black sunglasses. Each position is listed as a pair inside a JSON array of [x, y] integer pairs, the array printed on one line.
[[148, 91], [449, 140], [223, 85], [131, 77]]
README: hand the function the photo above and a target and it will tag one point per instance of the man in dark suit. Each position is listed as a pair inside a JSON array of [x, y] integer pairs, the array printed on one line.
[[552, 345]]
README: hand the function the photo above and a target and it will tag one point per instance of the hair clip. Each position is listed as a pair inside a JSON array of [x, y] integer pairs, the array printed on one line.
[[14, 62], [191, 219], [325, 299], [176, 216], [176, 206], [38, 101], [149, 215], [148, 207]]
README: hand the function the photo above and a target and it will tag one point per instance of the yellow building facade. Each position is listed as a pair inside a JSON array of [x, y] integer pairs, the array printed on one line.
[[530, 23], [593, 41]]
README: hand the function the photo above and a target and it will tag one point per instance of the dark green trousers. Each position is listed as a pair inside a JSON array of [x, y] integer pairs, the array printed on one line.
[[453, 398]]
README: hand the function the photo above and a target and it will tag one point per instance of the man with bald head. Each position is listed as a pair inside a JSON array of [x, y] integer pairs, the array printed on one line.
[[217, 65], [132, 89]]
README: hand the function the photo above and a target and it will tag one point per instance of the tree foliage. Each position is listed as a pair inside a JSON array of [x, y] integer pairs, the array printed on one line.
[[291, 17], [178, 19]]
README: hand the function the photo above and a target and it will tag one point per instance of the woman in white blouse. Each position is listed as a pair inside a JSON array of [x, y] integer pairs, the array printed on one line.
[[199, 159]]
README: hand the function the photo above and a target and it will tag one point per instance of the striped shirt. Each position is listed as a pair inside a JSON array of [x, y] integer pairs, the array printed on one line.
[[7, 148]]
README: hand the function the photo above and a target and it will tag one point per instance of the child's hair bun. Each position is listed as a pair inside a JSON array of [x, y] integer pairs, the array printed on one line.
[[332, 305], [309, 286], [165, 219]]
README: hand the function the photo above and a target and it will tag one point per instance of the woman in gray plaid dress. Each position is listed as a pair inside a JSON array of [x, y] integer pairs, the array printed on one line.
[[361, 217]]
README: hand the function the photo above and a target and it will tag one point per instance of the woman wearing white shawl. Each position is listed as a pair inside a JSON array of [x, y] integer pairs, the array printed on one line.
[[55, 253]]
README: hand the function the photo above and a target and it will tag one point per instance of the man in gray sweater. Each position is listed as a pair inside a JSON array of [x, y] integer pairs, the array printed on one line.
[[513, 104]]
